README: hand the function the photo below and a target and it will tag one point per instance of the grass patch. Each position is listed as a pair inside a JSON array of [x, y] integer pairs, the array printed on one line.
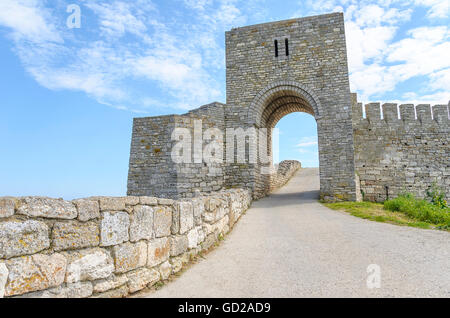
[[436, 213], [158, 285], [376, 212]]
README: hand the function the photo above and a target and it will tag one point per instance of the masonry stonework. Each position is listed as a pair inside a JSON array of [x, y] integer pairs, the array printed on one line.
[[398, 151], [152, 171], [285, 171], [128, 243]]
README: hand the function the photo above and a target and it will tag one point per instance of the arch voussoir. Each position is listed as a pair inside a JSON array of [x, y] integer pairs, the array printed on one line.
[[276, 90]]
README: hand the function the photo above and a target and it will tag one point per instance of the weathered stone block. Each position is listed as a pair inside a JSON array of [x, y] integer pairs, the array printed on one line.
[[235, 211], [209, 241], [177, 264], [175, 227], [112, 204], [90, 264], [76, 290], [23, 238], [114, 228], [46, 208], [193, 238], [165, 270], [215, 209], [186, 216], [163, 201], [49, 293], [33, 273], [198, 208], [185, 257], [211, 203], [113, 282], [141, 225], [116, 293], [158, 251], [220, 226], [7, 207], [178, 245], [162, 221], [4, 272], [130, 200], [129, 256], [140, 278], [74, 235], [148, 200], [87, 209]]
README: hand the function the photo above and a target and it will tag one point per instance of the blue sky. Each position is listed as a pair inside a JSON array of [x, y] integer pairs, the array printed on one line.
[[68, 96]]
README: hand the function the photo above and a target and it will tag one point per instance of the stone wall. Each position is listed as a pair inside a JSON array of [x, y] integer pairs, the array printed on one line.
[[286, 170], [152, 172], [401, 153], [106, 246]]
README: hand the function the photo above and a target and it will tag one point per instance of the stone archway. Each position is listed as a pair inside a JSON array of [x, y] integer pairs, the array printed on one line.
[[280, 95], [270, 105], [335, 139]]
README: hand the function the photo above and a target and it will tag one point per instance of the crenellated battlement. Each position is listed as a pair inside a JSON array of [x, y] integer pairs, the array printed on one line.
[[394, 114], [400, 148]]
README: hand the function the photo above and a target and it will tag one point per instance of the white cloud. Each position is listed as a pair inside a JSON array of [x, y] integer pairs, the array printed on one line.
[[198, 4], [307, 145], [377, 63], [28, 21], [440, 80], [360, 49], [438, 8], [424, 52], [307, 142], [373, 79], [173, 60], [372, 15], [319, 6], [167, 70], [118, 18], [438, 98]]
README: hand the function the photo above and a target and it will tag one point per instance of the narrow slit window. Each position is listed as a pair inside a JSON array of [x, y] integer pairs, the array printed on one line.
[[276, 48], [286, 43]]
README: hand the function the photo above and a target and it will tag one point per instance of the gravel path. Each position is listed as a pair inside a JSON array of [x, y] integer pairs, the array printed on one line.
[[289, 245]]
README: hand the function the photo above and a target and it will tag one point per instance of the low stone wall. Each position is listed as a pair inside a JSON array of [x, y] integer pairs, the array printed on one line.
[[286, 170], [106, 246]]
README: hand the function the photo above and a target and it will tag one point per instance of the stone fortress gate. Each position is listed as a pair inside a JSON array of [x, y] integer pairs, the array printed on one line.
[[272, 70]]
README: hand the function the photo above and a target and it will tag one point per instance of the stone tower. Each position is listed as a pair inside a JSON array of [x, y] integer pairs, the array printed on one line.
[[298, 65]]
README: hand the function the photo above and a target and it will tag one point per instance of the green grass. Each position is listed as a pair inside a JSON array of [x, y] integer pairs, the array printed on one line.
[[376, 212], [159, 285], [421, 210]]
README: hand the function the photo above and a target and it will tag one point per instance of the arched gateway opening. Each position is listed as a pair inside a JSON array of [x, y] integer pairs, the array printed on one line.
[[269, 107], [295, 138], [334, 131]]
